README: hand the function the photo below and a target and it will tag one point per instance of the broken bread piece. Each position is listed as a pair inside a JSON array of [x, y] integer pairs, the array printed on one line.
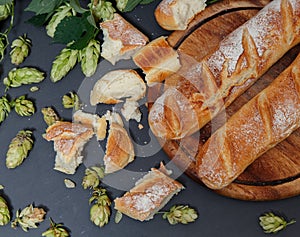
[[98, 123], [116, 85], [121, 39], [149, 195], [158, 60], [69, 139], [130, 110]]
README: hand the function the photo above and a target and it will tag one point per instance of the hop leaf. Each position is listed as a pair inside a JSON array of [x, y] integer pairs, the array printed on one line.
[[56, 230], [71, 100], [4, 108], [20, 49], [103, 10], [63, 63], [100, 210], [92, 177], [272, 223], [23, 107], [4, 212], [19, 148], [180, 214], [89, 57], [49, 115], [28, 218], [22, 76]]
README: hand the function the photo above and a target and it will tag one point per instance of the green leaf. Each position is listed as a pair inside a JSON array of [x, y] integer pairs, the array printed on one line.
[[43, 6], [211, 1], [131, 5], [77, 7], [146, 1], [3, 2], [38, 20]]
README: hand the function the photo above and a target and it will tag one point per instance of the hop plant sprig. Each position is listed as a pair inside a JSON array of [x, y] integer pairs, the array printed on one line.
[[20, 49], [4, 212], [71, 100], [180, 214], [19, 148], [56, 230], [49, 116], [5, 108], [100, 210], [28, 218], [102, 10], [23, 106], [272, 223], [89, 57], [92, 177]]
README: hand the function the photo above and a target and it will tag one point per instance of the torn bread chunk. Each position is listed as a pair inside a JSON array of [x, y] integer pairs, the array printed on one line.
[[149, 195], [121, 39], [158, 60], [117, 85], [98, 123], [69, 139], [130, 110]]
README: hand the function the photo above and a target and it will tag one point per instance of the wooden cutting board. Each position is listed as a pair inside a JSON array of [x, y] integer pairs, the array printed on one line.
[[276, 174]]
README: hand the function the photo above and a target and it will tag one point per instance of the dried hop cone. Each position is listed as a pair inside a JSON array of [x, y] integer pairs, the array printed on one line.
[[102, 10], [4, 108], [89, 57], [180, 214], [121, 4], [20, 49], [49, 115], [3, 45], [23, 107], [19, 148], [71, 100], [4, 212], [5, 11], [92, 177], [100, 210], [56, 230], [272, 223]]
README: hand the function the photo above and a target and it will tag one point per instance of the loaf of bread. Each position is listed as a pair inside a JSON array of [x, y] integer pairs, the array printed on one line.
[[240, 59], [177, 14], [158, 60], [268, 118], [149, 195], [120, 39], [69, 140]]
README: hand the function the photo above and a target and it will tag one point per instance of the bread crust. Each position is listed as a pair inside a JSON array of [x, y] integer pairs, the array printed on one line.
[[267, 119], [215, 82]]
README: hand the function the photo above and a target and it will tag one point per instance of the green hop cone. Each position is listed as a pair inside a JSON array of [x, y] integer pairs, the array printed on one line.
[[89, 57], [50, 116], [55, 230], [29, 218], [100, 210], [4, 108], [23, 76], [23, 107], [272, 223], [63, 11], [4, 212], [5, 11], [19, 148], [3, 45], [92, 177], [121, 4], [20, 49], [180, 214], [102, 10], [71, 100], [63, 63]]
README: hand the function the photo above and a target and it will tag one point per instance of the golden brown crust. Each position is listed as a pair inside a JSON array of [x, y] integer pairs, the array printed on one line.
[[259, 125], [241, 58]]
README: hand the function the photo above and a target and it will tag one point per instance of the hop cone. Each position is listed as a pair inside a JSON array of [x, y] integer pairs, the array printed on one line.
[[121, 4], [180, 214], [92, 177], [4, 108], [23, 107], [272, 223], [18, 149], [22, 76], [50, 117], [71, 100], [103, 10], [89, 57], [61, 12], [3, 45], [20, 49], [4, 212], [5, 11], [63, 63], [28, 218], [100, 210], [55, 230]]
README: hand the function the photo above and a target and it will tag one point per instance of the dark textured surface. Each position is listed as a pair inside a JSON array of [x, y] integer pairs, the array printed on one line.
[[36, 182]]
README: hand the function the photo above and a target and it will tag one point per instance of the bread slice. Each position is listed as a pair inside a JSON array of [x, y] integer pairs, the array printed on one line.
[[149, 195], [116, 85], [98, 123], [69, 139], [177, 14], [158, 60], [120, 39]]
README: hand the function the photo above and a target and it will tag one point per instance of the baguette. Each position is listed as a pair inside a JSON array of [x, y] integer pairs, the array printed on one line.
[[214, 83], [267, 119]]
